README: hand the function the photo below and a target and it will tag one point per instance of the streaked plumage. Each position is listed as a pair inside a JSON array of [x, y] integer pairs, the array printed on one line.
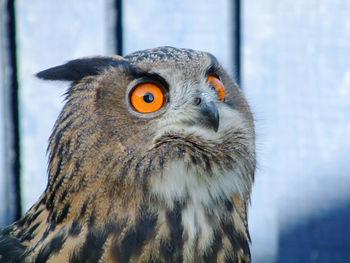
[[168, 186]]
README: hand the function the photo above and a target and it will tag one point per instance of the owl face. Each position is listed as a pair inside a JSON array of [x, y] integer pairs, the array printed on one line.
[[168, 90]]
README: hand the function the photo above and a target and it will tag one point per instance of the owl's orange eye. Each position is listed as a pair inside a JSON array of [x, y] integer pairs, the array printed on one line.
[[217, 84], [147, 97]]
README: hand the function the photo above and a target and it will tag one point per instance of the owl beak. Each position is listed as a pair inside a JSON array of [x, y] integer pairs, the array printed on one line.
[[209, 111]]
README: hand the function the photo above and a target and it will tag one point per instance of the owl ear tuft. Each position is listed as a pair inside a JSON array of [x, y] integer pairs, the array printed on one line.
[[77, 69]]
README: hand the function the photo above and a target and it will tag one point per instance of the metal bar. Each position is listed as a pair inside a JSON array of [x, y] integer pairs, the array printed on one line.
[[237, 40], [14, 112], [119, 27]]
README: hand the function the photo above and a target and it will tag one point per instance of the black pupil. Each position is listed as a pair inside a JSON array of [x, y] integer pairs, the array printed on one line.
[[148, 97]]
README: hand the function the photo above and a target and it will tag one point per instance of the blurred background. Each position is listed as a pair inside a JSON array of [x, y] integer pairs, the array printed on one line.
[[291, 58]]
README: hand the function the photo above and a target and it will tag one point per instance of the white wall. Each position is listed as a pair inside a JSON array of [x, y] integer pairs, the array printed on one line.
[[296, 73]]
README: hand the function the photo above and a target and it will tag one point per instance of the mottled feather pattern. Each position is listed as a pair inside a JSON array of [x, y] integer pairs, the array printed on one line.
[[126, 187]]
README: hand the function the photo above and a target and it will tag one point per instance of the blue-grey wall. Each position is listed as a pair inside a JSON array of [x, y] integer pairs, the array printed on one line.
[[295, 73]]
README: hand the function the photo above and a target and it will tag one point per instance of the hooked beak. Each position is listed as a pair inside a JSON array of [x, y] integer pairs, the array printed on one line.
[[208, 111]]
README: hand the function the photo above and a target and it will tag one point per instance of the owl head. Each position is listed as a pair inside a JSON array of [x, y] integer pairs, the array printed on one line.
[[131, 125]]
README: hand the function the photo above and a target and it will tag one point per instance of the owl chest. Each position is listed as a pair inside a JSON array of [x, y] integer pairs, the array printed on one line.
[[186, 225]]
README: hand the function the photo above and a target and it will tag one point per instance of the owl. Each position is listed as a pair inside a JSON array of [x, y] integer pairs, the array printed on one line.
[[152, 159]]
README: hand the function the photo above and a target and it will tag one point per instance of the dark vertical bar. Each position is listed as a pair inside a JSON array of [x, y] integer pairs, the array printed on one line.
[[119, 27], [237, 39], [11, 31]]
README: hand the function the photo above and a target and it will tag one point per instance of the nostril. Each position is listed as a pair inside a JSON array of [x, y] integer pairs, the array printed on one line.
[[197, 101]]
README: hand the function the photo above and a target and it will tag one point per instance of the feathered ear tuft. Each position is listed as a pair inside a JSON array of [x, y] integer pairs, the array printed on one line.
[[77, 69]]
